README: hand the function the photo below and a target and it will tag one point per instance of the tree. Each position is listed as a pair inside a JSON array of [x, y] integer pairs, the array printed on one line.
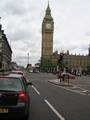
[[88, 69], [45, 64]]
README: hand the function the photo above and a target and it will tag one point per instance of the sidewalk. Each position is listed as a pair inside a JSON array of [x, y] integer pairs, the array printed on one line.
[[57, 82], [80, 84]]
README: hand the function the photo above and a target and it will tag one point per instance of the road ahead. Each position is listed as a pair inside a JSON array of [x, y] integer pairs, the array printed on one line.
[[51, 102]]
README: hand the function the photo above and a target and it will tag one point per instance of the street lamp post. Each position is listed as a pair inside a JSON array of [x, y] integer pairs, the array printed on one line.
[[28, 59]]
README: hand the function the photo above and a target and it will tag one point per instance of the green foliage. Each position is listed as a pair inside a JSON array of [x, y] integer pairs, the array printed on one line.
[[47, 64], [88, 67], [61, 65]]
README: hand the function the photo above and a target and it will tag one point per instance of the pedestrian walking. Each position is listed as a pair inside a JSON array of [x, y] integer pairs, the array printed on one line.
[[60, 75]]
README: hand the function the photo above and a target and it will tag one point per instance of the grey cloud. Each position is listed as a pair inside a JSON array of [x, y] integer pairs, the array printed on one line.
[[22, 60], [26, 37], [20, 35], [71, 48], [13, 7], [87, 33], [19, 7], [21, 57], [84, 47]]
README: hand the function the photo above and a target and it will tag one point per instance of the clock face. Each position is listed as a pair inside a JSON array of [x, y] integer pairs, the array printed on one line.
[[48, 25]]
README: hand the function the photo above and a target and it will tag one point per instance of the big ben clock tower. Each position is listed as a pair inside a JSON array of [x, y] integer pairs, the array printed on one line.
[[47, 35]]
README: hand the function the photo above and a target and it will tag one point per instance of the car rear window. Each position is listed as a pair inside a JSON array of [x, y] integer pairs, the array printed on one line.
[[11, 84]]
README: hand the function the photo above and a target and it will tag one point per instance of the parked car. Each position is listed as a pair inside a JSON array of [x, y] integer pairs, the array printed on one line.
[[14, 97], [20, 73], [70, 76], [17, 72]]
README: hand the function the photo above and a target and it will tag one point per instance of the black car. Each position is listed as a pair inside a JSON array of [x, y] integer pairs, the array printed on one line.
[[14, 97]]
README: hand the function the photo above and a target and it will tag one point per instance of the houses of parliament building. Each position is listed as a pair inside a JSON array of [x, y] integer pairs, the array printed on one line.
[[47, 54]]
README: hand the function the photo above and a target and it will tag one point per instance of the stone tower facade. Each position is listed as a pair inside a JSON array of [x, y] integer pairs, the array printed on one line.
[[47, 35]]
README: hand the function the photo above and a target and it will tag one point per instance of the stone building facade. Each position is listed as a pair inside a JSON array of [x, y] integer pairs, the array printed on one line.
[[77, 61], [5, 51]]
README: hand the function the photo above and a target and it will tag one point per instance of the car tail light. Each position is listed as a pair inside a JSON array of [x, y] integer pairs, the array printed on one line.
[[22, 97]]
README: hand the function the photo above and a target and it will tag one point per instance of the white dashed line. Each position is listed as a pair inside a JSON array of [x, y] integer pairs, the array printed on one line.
[[85, 90], [71, 90], [36, 90], [54, 110]]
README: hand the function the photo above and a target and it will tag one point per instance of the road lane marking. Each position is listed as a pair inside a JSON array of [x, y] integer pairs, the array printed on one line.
[[85, 90], [54, 110], [74, 91], [36, 90], [68, 89]]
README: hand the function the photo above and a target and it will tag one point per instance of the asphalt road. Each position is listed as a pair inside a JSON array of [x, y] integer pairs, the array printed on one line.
[[51, 102]]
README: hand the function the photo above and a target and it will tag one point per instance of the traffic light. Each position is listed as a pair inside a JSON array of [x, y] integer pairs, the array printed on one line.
[[60, 58]]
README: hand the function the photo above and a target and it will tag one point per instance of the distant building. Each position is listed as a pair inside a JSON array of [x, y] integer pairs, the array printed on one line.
[[14, 66], [5, 51], [78, 62]]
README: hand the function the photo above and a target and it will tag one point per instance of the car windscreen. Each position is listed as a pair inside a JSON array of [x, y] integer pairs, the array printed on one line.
[[10, 84]]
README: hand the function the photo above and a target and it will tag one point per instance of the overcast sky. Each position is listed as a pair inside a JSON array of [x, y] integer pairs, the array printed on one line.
[[22, 19]]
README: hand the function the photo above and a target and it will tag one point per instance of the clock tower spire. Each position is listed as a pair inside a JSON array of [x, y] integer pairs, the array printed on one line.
[[48, 13], [47, 35]]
